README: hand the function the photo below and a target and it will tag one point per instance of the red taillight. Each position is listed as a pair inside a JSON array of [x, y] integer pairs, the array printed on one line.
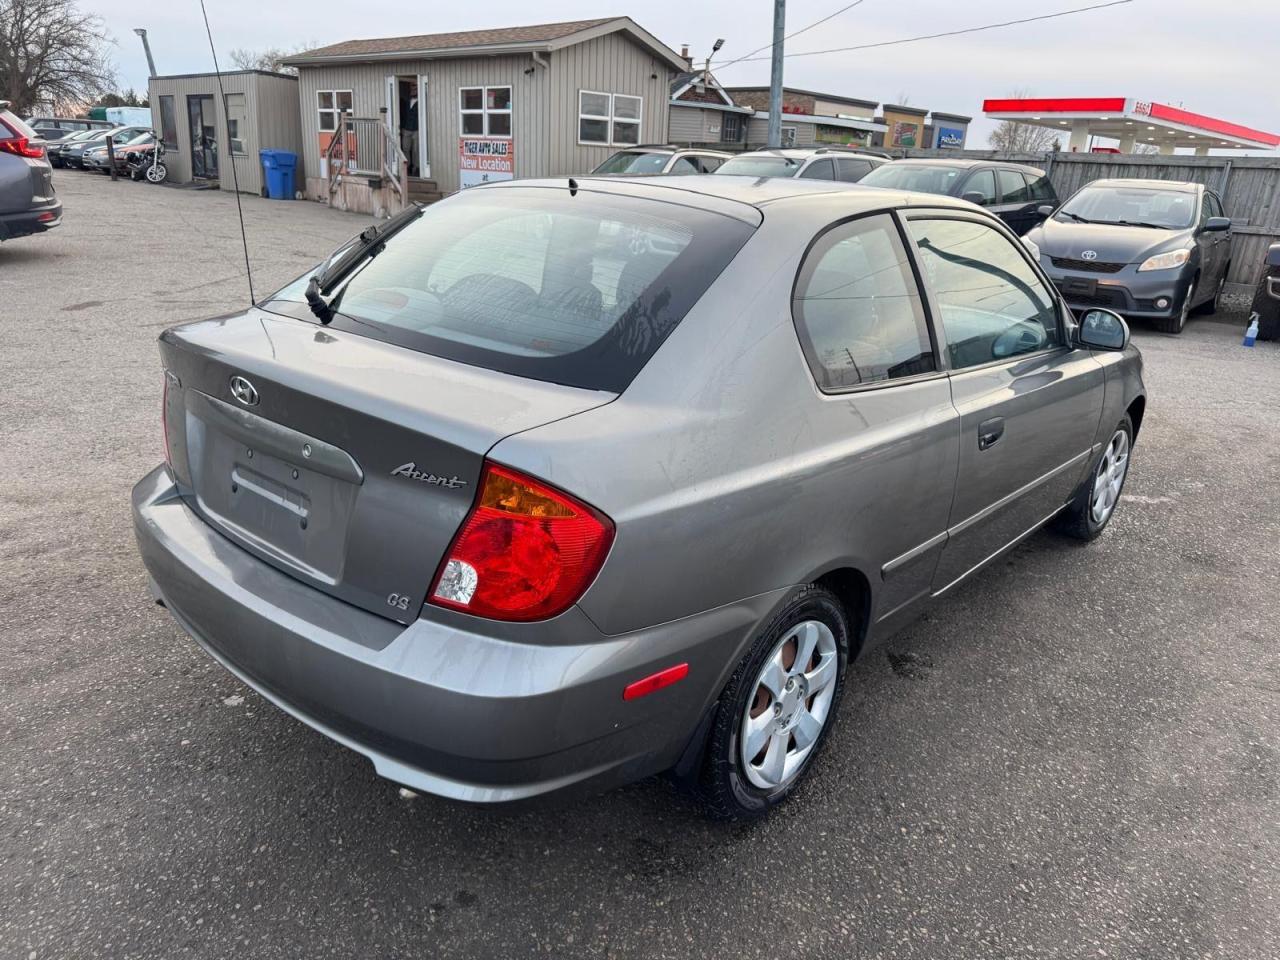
[[525, 552], [19, 145]]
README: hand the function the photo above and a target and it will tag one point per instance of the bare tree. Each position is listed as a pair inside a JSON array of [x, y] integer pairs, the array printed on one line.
[[52, 54], [270, 59], [1014, 137]]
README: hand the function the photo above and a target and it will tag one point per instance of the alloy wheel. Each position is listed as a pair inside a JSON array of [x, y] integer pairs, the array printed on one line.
[[1109, 478], [789, 707]]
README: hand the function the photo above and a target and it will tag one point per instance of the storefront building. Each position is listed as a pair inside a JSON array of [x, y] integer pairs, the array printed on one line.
[[809, 117], [482, 105]]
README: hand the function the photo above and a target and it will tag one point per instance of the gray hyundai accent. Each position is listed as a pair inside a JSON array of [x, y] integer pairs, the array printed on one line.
[[558, 484]]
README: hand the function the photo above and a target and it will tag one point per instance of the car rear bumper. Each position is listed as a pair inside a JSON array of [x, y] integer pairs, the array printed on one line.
[[1128, 292], [434, 705], [35, 220]]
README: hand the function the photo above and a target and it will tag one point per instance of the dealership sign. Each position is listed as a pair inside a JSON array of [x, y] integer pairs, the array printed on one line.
[[485, 159], [950, 138]]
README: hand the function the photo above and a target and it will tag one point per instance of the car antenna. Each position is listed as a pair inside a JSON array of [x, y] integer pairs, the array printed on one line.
[[235, 179], [573, 184]]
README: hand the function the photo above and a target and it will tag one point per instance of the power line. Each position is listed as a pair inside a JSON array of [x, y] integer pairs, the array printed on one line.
[[796, 34], [948, 33]]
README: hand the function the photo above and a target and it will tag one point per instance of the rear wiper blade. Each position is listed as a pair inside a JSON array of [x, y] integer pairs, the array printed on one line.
[[368, 245]]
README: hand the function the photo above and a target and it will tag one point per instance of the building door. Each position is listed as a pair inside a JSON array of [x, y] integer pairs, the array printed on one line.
[[204, 137], [424, 155]]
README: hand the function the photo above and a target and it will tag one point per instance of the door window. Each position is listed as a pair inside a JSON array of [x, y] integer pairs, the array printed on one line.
[[992, 303], [1013, 187], [1042, 189], [708, 164], [684, 165], [1215, 205], [857, 308], [983, 182], [852, 170], [819, 170]]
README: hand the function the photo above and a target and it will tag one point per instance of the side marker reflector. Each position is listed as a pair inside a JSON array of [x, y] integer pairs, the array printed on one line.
[[656, 681]]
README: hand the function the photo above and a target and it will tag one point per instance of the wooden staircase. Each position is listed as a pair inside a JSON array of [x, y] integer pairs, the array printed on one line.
[[423, 191]]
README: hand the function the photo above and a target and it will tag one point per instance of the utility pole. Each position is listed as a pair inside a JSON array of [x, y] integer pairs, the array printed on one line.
[[151, 64], [775, 77]]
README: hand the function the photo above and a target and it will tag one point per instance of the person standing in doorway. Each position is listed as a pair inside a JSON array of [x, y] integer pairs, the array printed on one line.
[[409, 130]]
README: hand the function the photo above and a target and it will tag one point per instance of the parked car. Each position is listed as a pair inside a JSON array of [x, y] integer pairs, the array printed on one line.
[[544, 487], [807, 163], [1266, 297], [97, 158], [652, 159], [1153, 249], [56, 148], [1013, 192], [73, 154], [28, 203], [56, 128]]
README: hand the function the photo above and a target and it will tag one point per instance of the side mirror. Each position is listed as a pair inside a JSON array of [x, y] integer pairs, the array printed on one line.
[[1102, 330], [974, 196], [1217, 224], [1045, 210], [1273, 255]]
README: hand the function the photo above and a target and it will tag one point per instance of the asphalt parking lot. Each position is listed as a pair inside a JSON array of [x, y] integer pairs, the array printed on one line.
[[1077, 755]]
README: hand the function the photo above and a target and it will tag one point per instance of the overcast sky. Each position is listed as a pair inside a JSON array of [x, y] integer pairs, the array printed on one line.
[[1216, 58]]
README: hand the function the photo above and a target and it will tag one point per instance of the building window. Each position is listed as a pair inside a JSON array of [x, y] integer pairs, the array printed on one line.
[[237, 122], [168, 128], [484, 111], [330, 103], [788, 136], [730, 128], [609, 118]]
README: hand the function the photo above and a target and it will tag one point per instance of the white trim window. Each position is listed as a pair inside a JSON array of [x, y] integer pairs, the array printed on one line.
[[788, 136], [484, 111], [609, 119], [236, 122], [329, 104]]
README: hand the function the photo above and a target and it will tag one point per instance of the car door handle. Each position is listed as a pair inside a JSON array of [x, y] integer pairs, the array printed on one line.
[[989, 431]]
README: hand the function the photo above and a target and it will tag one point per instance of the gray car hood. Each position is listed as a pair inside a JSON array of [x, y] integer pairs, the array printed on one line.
[[1112, 244]]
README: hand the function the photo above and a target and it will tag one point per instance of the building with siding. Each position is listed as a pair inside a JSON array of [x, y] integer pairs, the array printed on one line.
[[703, 113], [463, 108], [809, 117], [261, 107]]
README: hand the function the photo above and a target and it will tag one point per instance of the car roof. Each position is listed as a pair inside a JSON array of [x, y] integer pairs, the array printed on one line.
[[1180, 186], [723, 192], [966, 164]]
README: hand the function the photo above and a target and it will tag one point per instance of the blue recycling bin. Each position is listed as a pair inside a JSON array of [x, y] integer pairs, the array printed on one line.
[[278, 167]]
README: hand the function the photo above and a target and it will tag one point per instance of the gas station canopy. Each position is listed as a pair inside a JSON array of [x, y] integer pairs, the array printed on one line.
[[1131, 122]]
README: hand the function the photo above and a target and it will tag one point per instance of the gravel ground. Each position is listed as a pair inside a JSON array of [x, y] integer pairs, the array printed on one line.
[[1074, 756]]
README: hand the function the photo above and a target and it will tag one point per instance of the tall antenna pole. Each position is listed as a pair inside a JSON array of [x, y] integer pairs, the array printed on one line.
[[151, 64], [775, 76]]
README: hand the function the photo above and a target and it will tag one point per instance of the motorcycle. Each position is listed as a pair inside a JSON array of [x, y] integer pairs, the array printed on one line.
[[148, 164]]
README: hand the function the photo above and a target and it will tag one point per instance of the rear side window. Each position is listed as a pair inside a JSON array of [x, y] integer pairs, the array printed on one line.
[[1042, 189], [574, 289], [857, 308], [684, 165], [708, 164], [819, 170], [993, 305], [852, 170], [1013, 187]]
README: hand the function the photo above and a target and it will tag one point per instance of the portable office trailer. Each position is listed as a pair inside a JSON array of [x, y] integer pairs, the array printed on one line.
[[189, 115]]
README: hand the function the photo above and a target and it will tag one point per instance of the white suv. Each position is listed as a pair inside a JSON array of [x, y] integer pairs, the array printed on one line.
[[806, 163], [655, 159]]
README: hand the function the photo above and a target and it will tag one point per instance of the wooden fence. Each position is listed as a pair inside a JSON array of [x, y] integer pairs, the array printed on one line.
[[1249, 187]]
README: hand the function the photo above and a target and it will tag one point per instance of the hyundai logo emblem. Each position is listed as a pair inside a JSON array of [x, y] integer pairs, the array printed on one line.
[[244, 391], [1089, 255]]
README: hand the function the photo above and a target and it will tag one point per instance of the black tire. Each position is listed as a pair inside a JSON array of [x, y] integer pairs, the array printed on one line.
[[723, 786], [1077, 519], [1176, 324], [1210, 307]]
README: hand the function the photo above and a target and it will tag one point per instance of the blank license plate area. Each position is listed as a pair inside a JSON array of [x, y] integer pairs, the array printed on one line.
[[1078, 286], [292, 514]]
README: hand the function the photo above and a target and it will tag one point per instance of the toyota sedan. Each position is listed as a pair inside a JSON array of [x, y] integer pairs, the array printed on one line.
[[558, 484]]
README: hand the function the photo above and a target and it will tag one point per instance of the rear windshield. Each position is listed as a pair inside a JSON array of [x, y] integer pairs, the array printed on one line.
[[917, 178], [1132, 206], [634, 163], [579, 290], [761, 166]]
